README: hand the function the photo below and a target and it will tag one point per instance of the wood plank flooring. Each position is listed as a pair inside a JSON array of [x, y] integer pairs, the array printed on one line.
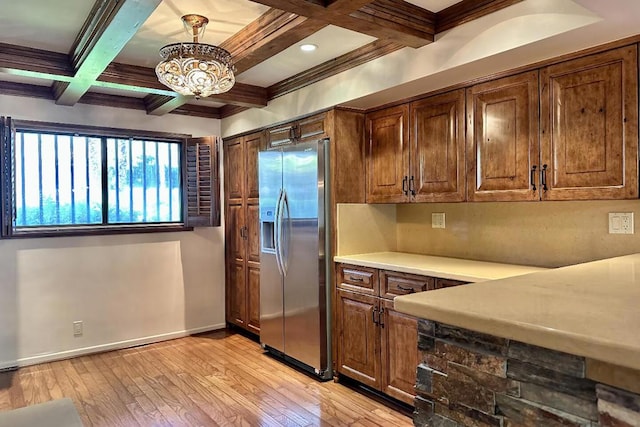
[[219, 378]]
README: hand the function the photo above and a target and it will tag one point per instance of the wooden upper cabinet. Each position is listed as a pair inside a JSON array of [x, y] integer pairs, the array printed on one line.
[[589, 126], [311, 128], [502, 139], [308, 129], [234, 170], [437, 148], [279, 136], [253, 143], [387, 155]]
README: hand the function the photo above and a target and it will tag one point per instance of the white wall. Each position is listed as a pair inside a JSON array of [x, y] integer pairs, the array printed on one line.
[[127, 289]]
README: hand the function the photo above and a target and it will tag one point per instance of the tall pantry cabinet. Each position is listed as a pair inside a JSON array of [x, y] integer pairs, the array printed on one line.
[[242, 234]]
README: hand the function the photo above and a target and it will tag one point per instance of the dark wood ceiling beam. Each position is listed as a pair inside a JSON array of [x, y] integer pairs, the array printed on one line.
[[332, 67], [468, 10], [159, 105], [22, 89], [143, 79], [198, 111], [358, 15], [106, 31], [229, 110], [102, 99], [28, 62], [271, 33]]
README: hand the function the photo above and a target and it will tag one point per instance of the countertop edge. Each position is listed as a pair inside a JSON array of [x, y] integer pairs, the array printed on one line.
[[567, 342], [352, 259]]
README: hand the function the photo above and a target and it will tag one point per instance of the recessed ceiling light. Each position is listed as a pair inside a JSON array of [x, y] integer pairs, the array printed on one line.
[[308, 47]]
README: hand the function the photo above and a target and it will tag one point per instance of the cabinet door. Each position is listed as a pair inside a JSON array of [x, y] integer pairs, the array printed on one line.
[[252, 144], [502, 139], [589, 135], [237, 296], [358, 337], [253, 299], [235, 232], [311, 128], [437, 149], [279, 136], [253, 233], [400, 355], [234, 162], [387, 155]]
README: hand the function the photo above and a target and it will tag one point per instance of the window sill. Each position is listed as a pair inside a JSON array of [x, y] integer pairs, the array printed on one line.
[[98, 230]]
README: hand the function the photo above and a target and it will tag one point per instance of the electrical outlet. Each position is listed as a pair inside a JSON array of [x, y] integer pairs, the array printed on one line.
[[438, 220], [77, 328], [621, 223]]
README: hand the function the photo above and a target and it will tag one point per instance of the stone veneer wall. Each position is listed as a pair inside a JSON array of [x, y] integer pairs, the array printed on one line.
[[466, 378]]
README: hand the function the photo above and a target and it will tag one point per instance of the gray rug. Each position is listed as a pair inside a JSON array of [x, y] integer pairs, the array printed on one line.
[[55, 413]]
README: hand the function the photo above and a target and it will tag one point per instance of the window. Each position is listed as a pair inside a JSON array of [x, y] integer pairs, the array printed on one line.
[[64, 179]]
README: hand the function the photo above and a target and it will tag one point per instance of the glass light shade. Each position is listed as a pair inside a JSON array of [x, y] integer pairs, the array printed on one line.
[[195, 69]]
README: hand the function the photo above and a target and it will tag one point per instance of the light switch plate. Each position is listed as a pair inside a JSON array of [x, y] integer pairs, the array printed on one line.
[[437, 220], [621, 223]]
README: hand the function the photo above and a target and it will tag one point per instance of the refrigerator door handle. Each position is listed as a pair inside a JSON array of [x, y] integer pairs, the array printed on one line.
[[286, 234], [277, 232]]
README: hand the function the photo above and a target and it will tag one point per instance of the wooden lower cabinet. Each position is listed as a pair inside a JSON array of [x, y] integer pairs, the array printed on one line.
[[399, 352], [377, 345], [359, 337], [237, 294], [253, 300]]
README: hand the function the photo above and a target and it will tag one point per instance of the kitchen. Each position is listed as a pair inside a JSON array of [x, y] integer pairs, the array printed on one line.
[[577, 231]]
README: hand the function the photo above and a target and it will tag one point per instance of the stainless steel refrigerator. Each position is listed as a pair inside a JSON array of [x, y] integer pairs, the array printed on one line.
[[294, 255]]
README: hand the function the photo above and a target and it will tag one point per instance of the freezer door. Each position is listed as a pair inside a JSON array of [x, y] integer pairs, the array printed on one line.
[[303, 254], [271, 299]]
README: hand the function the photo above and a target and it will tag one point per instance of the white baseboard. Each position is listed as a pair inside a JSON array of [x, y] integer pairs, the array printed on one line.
[[50, 357]]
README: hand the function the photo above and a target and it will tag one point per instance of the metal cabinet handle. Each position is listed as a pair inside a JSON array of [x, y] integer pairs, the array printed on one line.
[[356, 279], [533, 177], [543, 176], [381, 318], [404, 185], [373, 316], [412, 187], [410, 290]]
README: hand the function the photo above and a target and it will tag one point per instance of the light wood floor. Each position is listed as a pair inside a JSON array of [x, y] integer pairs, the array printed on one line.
[[212, 379]]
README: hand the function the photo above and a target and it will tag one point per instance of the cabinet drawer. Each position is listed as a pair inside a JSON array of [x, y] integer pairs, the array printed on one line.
[[311, 128], [280, 136], [359, 279], [447, 283], [393, 283]]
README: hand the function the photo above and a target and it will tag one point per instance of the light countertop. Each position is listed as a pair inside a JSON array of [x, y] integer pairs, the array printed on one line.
[[590, 310], [446, 268]]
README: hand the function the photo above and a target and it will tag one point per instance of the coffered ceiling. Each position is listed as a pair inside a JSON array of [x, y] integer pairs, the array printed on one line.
[[78, 51]]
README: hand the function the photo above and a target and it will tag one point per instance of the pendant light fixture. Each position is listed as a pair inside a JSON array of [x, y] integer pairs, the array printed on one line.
[[197, 69]]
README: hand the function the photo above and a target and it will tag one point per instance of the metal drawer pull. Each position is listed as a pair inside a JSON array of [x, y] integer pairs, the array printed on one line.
[[543, 171], [533, 177], [356, 279], [410, 290]]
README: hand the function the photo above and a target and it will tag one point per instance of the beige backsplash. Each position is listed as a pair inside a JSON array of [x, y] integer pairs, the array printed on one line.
[[546, 234], [363, 227]]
